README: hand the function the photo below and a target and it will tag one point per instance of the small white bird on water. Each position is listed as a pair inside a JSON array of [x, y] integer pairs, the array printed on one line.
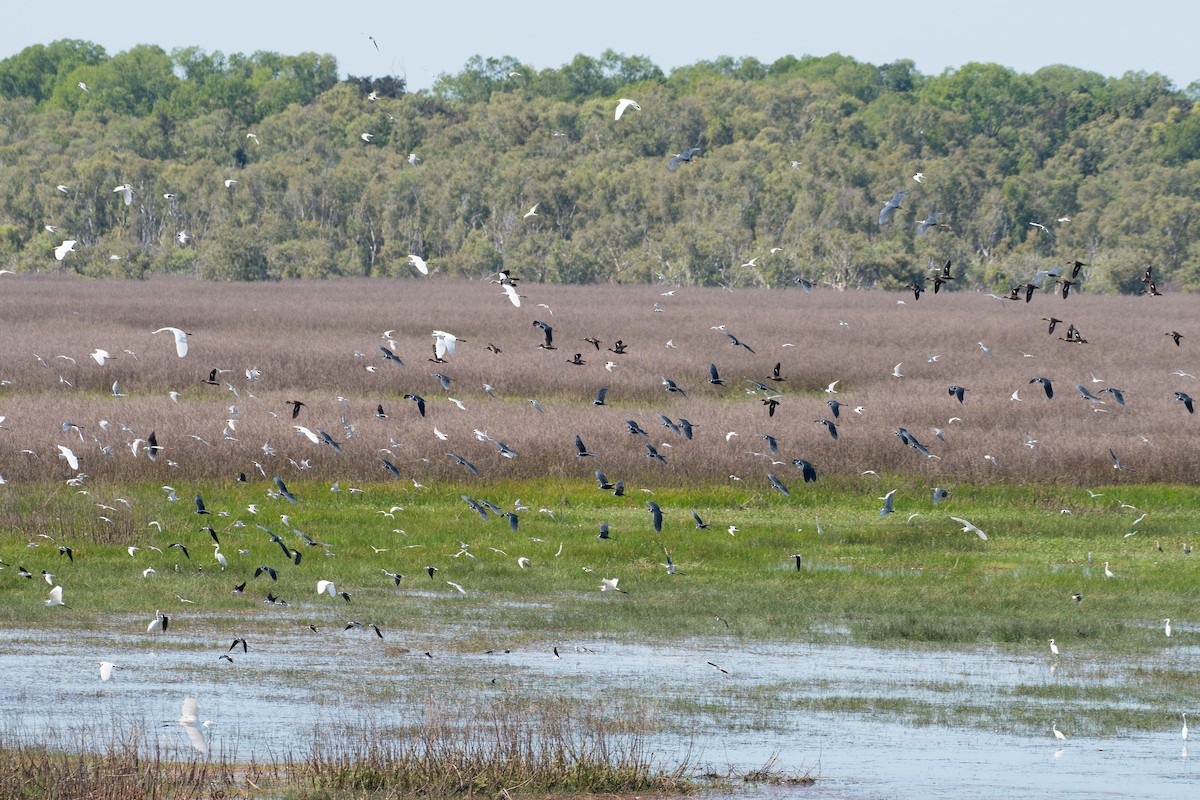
[[1057, 733]]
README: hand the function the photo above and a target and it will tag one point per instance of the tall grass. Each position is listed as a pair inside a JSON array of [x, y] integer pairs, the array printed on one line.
[[510, 749], [303, 338]]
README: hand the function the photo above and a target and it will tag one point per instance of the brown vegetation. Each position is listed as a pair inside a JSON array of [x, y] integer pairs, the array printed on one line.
[[303, 338]]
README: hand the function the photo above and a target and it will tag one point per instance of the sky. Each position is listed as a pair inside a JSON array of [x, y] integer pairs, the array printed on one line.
[[422, 40]]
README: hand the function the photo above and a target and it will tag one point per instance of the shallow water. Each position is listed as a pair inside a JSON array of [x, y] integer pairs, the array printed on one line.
[[269, 702]]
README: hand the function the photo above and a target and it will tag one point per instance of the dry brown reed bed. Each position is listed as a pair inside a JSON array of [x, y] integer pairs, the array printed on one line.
[[303, 337], [509, 749]]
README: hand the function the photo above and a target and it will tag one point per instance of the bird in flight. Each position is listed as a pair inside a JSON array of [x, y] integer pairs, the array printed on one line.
[[625, 103], [687, 155], [889, 207]]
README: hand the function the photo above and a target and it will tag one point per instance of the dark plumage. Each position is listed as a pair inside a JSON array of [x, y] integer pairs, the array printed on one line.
[[807, 470], [1046, 384], [420, 401], [547, 334], [679, 158], [957, 392]]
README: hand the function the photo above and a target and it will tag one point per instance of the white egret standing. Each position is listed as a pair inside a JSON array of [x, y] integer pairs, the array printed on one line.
[[1057, 733]]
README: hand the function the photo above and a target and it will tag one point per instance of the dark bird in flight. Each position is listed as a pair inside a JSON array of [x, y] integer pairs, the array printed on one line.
[[772, 443], [835, 407], [1073, 335], [152, 447], [618, 347], [600, 395], [236, 642], [957, 392], [379, 412], [1116, 393], [462, 461], [592, 340], [829, 426], [672, 387], [700, 524], [713, 377], [283, 490], [679, 158], [634, 428], [577, 360], [443, 380], [916, 289], [736, 342], [778, 484], [651, 452], [602, 481], [1176, 335], [212, 377], [200, 509], [775, 376], [547, 333], [889, 208], [1186, 399], [1075, 267], [420, 401], [655, 515], [580, 450], [1046, 384], [807, 470], [295, 404], [388, 355], [771, 403], [1066, 286], [1053, 323]]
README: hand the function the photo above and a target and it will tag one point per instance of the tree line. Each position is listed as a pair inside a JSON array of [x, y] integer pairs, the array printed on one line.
[[268, 166]]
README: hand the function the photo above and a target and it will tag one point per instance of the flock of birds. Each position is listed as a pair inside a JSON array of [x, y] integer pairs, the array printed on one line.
[[444, 347]]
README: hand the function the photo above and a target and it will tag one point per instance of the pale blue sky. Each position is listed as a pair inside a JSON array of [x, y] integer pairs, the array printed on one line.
[[422, 40]]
